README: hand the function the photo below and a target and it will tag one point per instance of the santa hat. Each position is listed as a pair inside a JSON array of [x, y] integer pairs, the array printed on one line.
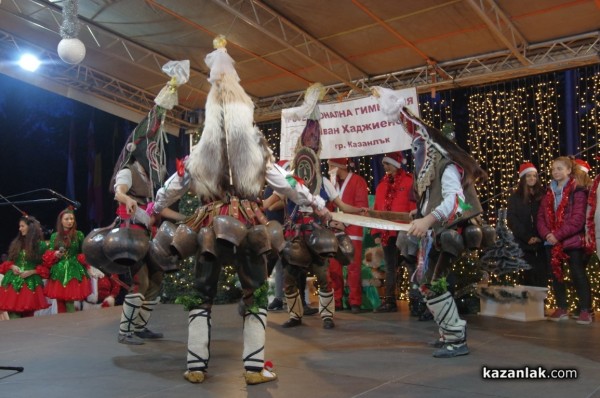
[[394, 158], [583, 165], [339, 162], [284, 164], [525, 168]]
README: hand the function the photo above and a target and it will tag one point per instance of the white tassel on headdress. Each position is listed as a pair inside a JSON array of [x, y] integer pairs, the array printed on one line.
[[219, 61], [179, 71], [309, 108], [390, 102], [392, 105]]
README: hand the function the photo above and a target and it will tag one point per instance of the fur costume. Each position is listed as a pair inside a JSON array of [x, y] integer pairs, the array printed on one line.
[[231, 156]]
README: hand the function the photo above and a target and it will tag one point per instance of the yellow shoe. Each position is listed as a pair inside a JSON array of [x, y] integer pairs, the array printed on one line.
[[264, 376], [194, 376]]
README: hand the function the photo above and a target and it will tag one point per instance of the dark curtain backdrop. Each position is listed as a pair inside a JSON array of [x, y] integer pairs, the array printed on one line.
[[42, 135]]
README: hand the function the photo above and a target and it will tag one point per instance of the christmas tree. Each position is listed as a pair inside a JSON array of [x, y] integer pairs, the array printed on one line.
[[505, 257]]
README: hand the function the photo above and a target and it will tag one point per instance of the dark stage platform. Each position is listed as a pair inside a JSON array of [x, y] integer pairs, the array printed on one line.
[[366, 355]]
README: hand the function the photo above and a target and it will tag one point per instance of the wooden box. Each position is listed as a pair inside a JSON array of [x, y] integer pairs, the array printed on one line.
[[518, 303]]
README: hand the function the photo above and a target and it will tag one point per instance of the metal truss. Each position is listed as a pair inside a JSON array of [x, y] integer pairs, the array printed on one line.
[[91, 81], [49, 16], [520, 59], [568, 52], [294, 38], [501, 27]]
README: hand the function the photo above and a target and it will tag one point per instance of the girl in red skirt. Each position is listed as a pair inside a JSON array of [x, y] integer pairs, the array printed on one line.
[[69, 280], [21, 290]]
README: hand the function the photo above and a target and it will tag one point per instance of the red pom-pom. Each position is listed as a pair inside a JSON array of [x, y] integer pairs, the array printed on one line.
[[81, 259], [269, 366], [49, 258]]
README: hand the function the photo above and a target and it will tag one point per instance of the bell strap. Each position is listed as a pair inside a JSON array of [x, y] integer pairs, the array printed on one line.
[[260, 216], [247, 211], [195, 220]]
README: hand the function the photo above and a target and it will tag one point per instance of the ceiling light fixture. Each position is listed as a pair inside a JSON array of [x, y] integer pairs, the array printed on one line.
[[29, 62]]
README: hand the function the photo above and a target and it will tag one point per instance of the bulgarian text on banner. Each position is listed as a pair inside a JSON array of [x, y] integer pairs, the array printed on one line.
[[351, 128]]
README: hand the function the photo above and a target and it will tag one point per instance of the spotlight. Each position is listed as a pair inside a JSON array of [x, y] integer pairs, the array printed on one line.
[[29, 62]]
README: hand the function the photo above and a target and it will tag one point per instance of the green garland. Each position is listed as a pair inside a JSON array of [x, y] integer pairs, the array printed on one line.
[[261, 298], [189, 301]]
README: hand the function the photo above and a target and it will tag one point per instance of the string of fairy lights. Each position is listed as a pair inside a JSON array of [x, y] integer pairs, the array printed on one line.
[[506, 124], [587, 94], [510, 124]]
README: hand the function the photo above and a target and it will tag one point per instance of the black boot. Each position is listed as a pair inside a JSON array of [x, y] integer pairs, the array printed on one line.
[[388, 305]]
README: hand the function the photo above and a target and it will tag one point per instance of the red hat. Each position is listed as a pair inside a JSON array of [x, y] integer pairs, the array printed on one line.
[[284, 164], [339, 162], [583, 165], [525, 168], [394, 158]]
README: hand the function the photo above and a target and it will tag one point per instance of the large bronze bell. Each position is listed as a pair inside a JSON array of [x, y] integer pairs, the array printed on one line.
[[452, 242], [207, 242], [162, 259], [296, 253], [185, 243], [164, 235], [126, 246], [489, 236], [323, 242], [93, 248], [258, 239], [275, 231], [473, 236], [229, 229], [345, 252]]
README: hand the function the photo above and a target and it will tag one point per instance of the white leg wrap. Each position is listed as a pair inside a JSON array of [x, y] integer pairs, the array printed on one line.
[[198, 340], [254, 340], [445, 314], [131, 309], [294, 304], [145, 313], [326, 304]]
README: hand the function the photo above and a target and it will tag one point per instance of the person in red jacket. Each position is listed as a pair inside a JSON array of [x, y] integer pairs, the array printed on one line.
[[561, 223], [105, 289], [393, 193], [353, 191]]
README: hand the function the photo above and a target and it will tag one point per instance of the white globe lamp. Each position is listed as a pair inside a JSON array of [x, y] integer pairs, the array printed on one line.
[[71, 51]]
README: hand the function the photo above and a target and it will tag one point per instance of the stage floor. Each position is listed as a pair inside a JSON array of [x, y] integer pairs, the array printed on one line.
[[366, 355]]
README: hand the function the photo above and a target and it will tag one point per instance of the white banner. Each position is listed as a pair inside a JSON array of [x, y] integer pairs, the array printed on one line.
[[351, 128]]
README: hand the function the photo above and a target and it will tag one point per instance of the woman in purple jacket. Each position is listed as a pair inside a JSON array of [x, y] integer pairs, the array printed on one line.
[[561, 222]]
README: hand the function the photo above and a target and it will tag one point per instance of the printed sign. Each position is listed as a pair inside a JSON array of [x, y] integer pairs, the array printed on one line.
[[352, 128]]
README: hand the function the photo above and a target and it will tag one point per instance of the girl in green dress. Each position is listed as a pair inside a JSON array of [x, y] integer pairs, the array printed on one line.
[[21, 290], [69, 280]]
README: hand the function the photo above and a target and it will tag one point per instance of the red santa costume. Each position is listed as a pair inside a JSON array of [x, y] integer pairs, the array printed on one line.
[[353, 191], [393, 193], [105, 289]]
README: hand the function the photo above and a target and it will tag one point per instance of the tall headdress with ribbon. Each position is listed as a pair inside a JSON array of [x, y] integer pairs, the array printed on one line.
[[429, 143], [306, 162], [146, 143]]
